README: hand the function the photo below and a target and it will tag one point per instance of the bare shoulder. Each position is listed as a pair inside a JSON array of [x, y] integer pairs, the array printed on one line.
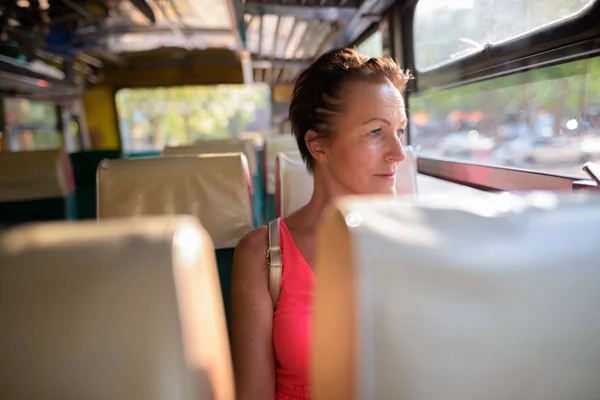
[[253, 246], [250, 262]]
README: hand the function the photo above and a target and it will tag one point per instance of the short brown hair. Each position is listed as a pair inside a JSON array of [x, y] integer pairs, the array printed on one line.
[[316, 97]]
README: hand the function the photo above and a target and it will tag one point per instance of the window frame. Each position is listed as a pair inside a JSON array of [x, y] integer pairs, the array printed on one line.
[[494, 178], [544, 48], [374, 27], [568, 40]]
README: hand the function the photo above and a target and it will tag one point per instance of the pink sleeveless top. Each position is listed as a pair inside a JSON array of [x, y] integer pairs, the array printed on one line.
[[291, 321]]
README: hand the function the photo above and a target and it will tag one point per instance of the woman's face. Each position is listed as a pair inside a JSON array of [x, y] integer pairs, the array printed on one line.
[[362, 155]]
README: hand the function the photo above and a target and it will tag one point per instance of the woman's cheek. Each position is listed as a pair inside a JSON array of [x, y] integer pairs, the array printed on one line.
[[365, 157]]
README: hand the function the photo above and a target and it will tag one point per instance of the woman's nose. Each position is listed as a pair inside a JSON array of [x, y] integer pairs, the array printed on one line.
[[396, 151]]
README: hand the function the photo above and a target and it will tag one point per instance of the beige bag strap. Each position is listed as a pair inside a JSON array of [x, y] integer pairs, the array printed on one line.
[[274, 261]]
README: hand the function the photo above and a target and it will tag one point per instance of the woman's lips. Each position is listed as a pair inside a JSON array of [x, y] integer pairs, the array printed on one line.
[[390, 176]]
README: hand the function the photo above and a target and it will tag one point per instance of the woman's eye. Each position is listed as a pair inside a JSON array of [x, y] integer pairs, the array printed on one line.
[[374, 132], [400, 132]]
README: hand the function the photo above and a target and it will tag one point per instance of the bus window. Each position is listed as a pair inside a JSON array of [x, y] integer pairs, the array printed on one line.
[[447, 30], [31, 125], [546, 120], [377, 44], [372, 46], [150, 119]]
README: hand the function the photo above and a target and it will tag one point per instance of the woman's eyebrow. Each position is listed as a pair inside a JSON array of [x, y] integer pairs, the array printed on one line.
[[377, 119]]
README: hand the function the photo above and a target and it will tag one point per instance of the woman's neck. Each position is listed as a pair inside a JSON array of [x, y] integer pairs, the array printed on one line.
[[323, 194]]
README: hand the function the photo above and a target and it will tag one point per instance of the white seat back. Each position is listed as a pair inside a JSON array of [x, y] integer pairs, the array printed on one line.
[[213, 187], [120, 310], [458, 298], [294, 184], [217, 146], [273, 146], [34, 175]]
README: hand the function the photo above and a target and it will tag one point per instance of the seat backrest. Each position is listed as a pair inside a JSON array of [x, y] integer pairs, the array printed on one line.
[[36, 186], [273, 146], [121, 310], [85, 165], [213, 187], [216, 146], [294, 184], [458, 298]]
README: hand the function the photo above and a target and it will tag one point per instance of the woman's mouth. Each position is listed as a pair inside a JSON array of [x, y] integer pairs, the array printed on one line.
[[389, 176]]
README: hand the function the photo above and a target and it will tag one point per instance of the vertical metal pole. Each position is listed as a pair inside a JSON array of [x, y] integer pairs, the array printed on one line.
[[85, 142], [64, 121]]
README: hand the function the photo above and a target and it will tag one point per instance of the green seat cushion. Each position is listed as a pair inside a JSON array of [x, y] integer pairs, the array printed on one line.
[[257, 202], [85, 164], [147, 154], [54, 209], [270, 207], [225, 265], [86, 201], [259, 188]]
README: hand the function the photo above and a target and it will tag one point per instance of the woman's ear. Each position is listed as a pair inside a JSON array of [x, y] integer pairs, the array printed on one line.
[[316, 145]]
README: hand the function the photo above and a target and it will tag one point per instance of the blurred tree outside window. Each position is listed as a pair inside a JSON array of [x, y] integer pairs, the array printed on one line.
[[152, 118]]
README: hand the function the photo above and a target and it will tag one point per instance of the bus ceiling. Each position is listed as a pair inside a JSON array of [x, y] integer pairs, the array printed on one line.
[[73, 42]]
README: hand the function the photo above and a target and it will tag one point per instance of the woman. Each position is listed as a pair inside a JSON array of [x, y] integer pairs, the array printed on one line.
[[347, 115]]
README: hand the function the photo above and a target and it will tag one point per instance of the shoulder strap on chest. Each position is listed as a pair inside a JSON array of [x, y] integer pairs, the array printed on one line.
[[274, 262]]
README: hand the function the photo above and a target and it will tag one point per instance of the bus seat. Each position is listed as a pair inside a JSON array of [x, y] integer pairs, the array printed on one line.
[[458, 298], [85, 164], [273, 146], [218, 146], [213, 187], [293, 183], [250, 150], [121, 310], [211, 146], [36, 186]]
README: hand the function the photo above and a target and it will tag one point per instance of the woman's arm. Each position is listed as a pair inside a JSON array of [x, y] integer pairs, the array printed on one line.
[[252, 320]]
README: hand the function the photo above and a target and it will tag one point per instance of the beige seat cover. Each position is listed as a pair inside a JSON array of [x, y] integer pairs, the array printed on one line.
[[458, 298], [214, 188], [120, 310], [294, 184], [245, 146], [273, 146], [33, 175]]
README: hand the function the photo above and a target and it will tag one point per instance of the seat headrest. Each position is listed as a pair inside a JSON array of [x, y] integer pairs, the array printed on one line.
[[34, 175], [294, 184], [216, 146], [458, 297], [213, 187], [273, 146], [123, 309]]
